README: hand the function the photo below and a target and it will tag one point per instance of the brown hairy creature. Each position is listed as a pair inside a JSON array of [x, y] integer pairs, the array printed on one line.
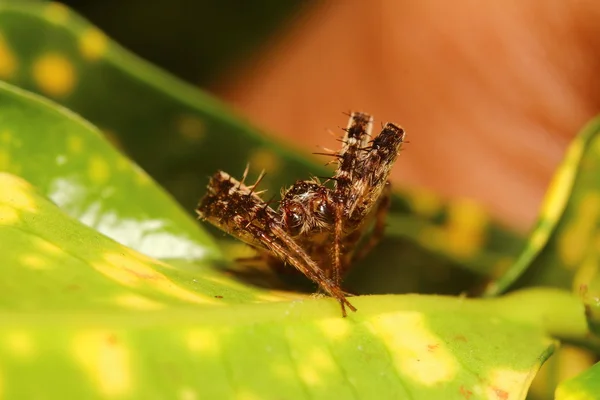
[[316, 229]]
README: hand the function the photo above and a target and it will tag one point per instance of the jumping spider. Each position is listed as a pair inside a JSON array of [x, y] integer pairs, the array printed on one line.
[[316, 229]]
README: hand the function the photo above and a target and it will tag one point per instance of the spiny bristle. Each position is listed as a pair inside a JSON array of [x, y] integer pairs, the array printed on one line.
[[245, 174]]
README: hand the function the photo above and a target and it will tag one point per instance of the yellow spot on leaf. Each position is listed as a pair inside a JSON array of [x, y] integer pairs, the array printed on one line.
[[538, 239], [505, 384], [8, 61], [56, 13], [271, 297], [334, 328], [136, 302], [203, 341], [575, 239], [16, 193], [48, 247], [320, 359], [8, 215], [191, 127], [74, 144], [35, 262], [132, 269], [169, 288], [54, 75], [560, 187], [466, 228], [245, 394], [416, 352], [309, 375], [99, 170], [14, 182], [315, 366], [120, 274], [106, 359], [187, 393], [568, 393], [92, 44], [263, 159], [20, 344]]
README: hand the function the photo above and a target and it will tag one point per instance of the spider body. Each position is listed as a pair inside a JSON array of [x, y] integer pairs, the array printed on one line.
[[316, 229]]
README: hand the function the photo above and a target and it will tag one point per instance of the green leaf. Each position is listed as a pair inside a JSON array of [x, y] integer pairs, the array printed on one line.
[[72, 164], [113, 322], [564, 248], [86, 316], [585, 386], [180, 136]]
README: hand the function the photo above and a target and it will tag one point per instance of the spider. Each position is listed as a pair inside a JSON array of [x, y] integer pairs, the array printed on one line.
[[316, 228]]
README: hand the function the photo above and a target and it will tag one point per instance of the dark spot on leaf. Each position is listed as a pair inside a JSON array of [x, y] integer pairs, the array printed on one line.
[[73, 287], [501, 394], [112, 339], [432, 347], [218, 297], [465, 392], [460, 338], [141, 275]]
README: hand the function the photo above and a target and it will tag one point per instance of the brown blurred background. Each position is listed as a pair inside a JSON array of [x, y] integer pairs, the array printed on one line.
[[490, 95]]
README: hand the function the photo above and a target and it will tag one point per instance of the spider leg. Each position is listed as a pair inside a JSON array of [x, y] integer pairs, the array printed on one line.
[[337, 245], [288, 251], [379, 226], [236, 209], [372, 174], [355, 139]]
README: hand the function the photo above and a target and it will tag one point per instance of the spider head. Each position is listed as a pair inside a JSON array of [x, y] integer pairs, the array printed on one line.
[[306, 206]]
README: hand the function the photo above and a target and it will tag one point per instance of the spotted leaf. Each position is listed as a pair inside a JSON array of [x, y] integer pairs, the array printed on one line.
[[112, 322], [180, 136], [91, 311]]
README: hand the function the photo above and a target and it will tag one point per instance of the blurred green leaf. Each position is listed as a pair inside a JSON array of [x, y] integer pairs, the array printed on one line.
[[566, 362], [585, 386], [204, 50], [564, 248]]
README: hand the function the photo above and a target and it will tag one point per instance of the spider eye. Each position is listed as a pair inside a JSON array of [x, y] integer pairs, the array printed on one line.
[[324, 211], [294, 221]]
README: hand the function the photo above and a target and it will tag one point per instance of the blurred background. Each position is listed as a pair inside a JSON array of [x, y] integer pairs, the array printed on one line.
[[490, 96]]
